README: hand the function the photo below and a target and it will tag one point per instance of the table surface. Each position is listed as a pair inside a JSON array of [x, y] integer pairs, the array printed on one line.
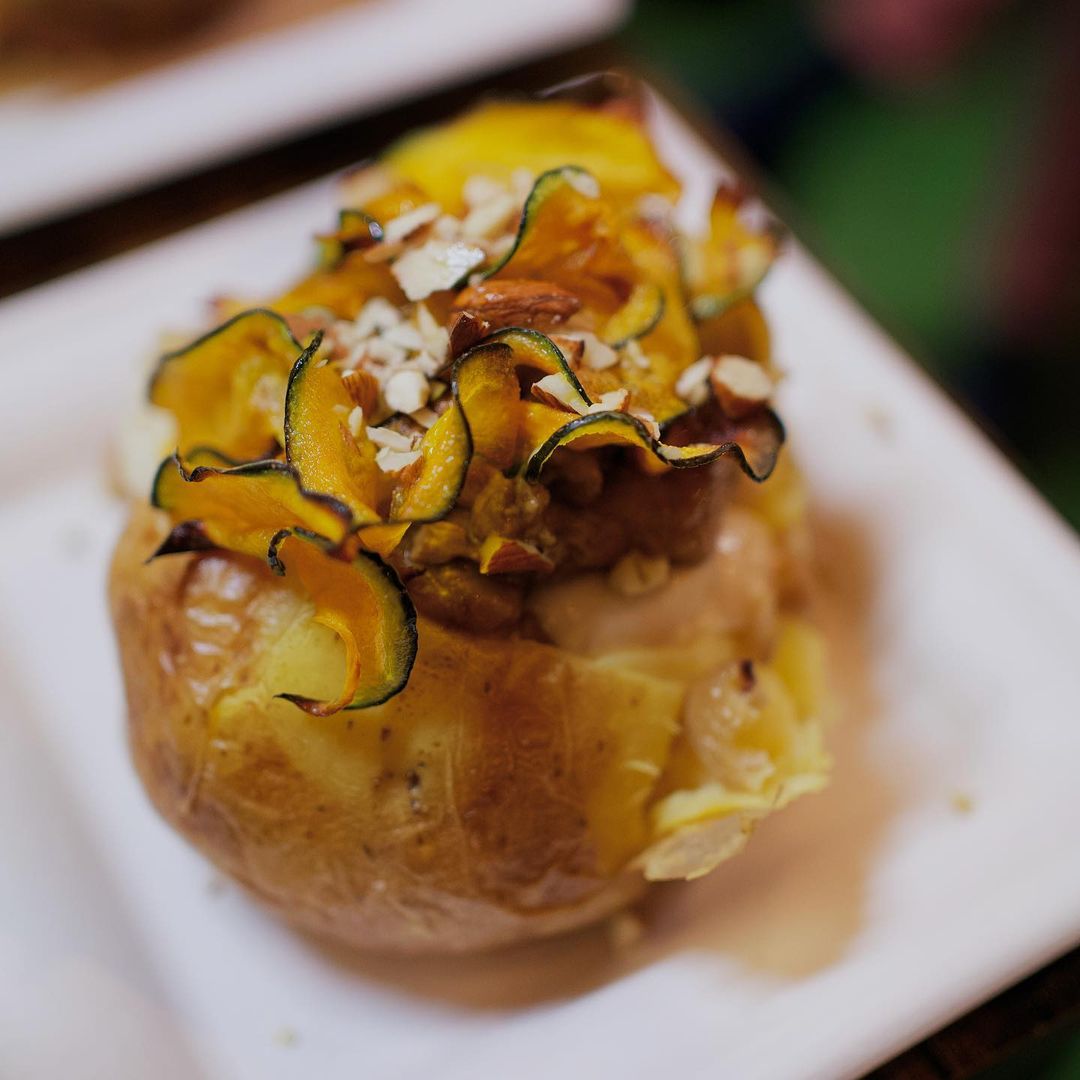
[[1043, 1004]]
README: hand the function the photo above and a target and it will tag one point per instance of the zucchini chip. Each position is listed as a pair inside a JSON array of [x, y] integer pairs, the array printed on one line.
[[319, 446], [754, 442], [225, 388], [499, 138], [365, 604], [241, 508], [329, 458], [731, 262], [569, 235]]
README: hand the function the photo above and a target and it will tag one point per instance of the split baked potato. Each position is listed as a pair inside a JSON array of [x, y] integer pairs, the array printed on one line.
[[477, 590]]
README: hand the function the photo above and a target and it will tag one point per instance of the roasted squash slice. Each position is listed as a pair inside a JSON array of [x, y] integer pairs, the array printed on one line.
[[497, 139], [728, 264], [365, 604], [242, 508], [227, 387]]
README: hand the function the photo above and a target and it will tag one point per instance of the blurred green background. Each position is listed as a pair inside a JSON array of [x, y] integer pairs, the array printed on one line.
[[929, 152]]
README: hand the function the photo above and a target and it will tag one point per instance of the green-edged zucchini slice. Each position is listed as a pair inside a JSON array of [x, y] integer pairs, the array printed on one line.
[[731, 262], [227, 388], [754, 442], [328, 458], [319, 445], [637, 317], [241, 508], [365, 604], [486, 391], [532, 349]]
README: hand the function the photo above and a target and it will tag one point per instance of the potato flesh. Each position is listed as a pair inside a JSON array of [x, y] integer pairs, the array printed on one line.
[[738, 757]]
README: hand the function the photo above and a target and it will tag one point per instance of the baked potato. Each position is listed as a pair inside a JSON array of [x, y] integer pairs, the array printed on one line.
[[477, 588]]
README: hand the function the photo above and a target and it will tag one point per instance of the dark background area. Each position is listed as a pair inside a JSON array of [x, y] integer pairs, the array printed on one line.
[[928, 151]]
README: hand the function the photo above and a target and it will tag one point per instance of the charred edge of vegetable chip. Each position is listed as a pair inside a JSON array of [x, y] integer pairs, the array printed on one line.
[[395, 619], [273, 560], [210, 455], [625, 428], [184, 538]]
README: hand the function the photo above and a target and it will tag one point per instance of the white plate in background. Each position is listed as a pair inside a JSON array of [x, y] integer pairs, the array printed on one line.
[[65, 149], [856, 922]]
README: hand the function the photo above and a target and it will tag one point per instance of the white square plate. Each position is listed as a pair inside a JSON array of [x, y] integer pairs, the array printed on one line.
[[856, 922], [66, 149]]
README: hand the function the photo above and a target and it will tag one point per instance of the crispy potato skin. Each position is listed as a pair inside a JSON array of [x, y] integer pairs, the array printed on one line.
[[462, 815]]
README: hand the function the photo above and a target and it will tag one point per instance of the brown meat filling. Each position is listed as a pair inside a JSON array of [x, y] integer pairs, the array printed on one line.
[[591, 509]]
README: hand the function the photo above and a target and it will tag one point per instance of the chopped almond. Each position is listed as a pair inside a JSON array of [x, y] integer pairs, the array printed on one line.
[[612, 401], [434, 266], [503, 555], [408, 224], [389, 439], [395, 460], [555, 391], [465, 331], [647, 418], [572, 348], [595, 354], [518, 303], [406, 391], [740, 385], [693, 384]]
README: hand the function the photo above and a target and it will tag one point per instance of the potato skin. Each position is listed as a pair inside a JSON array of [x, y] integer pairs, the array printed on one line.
[[488, 803]]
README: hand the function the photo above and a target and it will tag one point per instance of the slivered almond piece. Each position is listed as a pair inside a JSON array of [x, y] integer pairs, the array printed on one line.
[[488, 219], [503, 555], [647, 418], [389, 439], [425, 417], [405, 225], [612, 401], [692, 384], [395, 460], [740, 385], [517, 303], [595, 353], [436, 265], [554, 390], [406, 391], [572, 348], [363, 388]]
